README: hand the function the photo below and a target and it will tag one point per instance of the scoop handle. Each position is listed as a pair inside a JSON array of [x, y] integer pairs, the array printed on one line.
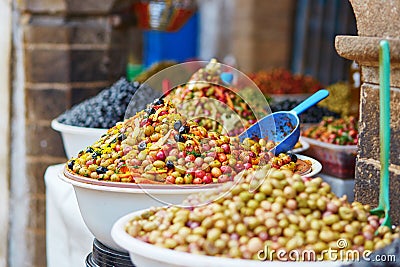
[[311, 101], [384, 95]]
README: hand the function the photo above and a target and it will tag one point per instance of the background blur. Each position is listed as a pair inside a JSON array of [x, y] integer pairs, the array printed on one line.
[[55, 53]]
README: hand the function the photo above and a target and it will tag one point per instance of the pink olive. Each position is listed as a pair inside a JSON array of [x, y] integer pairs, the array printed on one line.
[[190, 158], [199, 161], [127, 149], [247, 165], [174, 152], [226, 169], [226, 148], [206, 147]]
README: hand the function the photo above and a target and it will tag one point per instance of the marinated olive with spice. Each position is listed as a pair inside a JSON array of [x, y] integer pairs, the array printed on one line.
[[252, 221]]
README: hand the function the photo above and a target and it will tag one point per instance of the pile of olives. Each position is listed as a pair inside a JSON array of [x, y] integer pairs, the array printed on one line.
[[265, 208]]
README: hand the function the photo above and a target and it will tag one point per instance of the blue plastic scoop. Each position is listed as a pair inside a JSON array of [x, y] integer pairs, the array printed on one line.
[[282, 127]]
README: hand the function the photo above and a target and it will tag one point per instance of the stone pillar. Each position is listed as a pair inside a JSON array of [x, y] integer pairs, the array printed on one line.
[[65, 51], [5, 62], [376, 20]]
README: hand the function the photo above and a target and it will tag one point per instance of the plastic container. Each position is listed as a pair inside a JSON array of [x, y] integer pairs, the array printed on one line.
[[76, 138], [336, 160]]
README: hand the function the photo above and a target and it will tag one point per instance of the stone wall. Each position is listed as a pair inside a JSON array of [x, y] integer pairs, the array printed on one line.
[[375, 22], [68, 51]]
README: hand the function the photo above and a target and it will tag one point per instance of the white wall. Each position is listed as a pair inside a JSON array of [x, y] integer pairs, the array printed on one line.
[[20, 244], [5, 68]]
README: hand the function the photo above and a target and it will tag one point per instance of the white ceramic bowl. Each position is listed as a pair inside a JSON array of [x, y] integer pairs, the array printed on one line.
[[144, 255], [76, 138], [316, 166], [102, 203]]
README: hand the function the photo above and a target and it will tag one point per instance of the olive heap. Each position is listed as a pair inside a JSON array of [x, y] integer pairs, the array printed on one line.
[[109, 106], [158, 145], [265, 208], [342, 131], [195, 97]]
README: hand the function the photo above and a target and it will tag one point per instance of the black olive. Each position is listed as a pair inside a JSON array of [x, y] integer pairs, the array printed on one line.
[[184, 129], [71, 164], [177, 125], [89, 150], [95, 155], [121, 137], [141, 146], [150, 111], [158, 101], [179, 138], [169, 164], [293, 157], [101, 170]]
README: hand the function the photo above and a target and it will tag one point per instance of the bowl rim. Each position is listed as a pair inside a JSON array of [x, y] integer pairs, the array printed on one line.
[[316, 166], [88, 183], [149, 251], [65, 128], [80, 181]]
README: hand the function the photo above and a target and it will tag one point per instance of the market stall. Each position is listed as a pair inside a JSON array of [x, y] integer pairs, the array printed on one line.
[[194, 160], [201, 164]]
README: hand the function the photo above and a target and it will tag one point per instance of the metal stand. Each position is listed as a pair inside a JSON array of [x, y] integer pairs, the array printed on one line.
[[102, 256]]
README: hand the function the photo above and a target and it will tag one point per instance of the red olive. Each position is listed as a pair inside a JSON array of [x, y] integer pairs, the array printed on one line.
[[226, 148], [199, 173], [207, 179], [170, 179], [160, 155]]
